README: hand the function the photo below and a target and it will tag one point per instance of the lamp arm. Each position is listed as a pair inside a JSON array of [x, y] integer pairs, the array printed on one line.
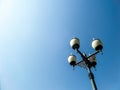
[[79, 62], [93, 54], [83, 57]]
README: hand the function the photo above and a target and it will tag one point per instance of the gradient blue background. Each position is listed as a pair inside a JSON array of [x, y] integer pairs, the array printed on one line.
[[34, 43]]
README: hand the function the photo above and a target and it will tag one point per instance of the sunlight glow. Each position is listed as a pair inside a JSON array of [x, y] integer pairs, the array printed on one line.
[[6, 8]]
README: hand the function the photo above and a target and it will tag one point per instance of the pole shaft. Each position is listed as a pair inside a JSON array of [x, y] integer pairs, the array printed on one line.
[[91, 76]]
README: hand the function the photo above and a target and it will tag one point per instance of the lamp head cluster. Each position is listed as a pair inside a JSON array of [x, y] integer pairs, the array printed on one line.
[[75, 44]]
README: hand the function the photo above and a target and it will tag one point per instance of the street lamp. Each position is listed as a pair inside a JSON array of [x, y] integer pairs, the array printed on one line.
[[87, 61]]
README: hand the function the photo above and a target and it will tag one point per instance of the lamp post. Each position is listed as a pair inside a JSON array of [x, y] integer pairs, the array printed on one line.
[[87, 61]]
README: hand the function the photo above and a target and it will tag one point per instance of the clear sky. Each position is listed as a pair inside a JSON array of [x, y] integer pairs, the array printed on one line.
[[34, 43]]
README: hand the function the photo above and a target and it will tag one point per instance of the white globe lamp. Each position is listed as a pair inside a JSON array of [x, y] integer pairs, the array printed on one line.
[[75, 43]]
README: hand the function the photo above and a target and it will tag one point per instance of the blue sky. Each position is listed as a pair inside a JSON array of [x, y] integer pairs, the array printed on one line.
[[34, 43]]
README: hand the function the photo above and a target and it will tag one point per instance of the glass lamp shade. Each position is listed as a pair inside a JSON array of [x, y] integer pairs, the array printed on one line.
[[72, 60], [92, 60], [75, 43], [97, 45]]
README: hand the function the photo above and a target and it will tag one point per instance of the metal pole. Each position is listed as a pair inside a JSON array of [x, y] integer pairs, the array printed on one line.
[[91, 76]]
